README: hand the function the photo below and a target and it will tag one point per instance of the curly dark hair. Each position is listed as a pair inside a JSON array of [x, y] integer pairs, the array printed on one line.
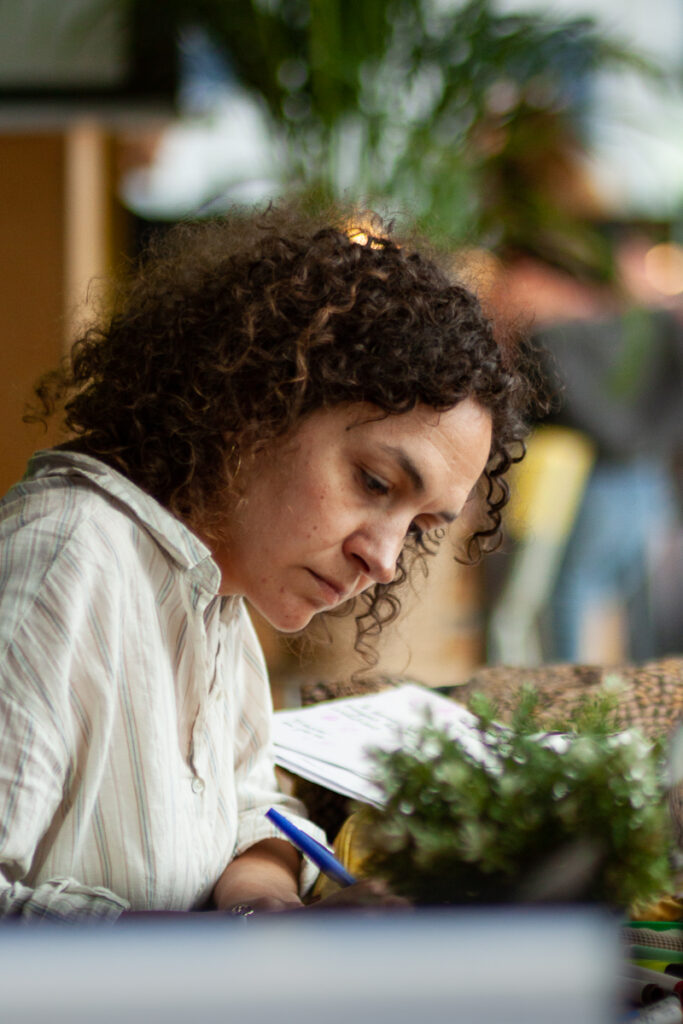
[[229, 332]]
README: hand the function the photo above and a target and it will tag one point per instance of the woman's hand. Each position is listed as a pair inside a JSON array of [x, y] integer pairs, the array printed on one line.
[[265, 877], [365, 894]]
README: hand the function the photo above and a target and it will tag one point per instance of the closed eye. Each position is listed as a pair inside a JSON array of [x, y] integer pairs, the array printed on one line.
[[373, 484]]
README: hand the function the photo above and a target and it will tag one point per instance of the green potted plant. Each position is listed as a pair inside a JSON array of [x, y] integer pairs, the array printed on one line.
[[575, 815]]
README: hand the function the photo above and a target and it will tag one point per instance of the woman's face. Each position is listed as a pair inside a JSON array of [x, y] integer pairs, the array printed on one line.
[[327, 511]]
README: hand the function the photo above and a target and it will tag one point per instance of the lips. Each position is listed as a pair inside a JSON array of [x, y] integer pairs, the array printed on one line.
[[331, 591]]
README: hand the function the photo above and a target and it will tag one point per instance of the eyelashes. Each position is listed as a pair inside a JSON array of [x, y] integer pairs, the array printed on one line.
[[373, 484], [379, 488]]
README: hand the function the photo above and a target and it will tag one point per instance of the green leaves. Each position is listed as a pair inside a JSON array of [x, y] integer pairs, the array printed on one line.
[[460, 828], [458, 113]]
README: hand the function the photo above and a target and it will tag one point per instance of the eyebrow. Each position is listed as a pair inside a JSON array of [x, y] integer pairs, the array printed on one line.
[[413, 473]]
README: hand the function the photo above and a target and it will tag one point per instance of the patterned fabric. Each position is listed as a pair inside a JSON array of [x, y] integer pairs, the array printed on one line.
[[664, 939], [650, 695], [134, 703]]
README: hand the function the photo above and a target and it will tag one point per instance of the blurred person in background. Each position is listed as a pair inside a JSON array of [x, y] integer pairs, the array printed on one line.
[[614, 354], [578, 275]]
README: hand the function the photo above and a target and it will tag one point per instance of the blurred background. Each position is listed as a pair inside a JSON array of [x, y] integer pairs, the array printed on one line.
[[540, 144]]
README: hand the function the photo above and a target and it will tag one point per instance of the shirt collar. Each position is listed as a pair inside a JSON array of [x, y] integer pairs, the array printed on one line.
[[169, 532]]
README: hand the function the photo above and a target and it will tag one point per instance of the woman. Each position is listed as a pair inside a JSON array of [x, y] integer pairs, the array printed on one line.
[[270, 410]]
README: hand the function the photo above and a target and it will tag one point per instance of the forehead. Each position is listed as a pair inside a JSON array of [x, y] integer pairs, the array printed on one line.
[[464, 426]]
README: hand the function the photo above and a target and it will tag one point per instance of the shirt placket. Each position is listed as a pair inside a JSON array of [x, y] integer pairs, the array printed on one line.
[[208, 642]]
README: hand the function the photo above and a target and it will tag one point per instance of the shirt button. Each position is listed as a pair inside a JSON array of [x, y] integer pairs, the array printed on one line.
[[197, 786]]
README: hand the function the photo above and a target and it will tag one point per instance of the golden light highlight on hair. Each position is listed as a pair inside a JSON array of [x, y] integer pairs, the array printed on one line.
[[363, 236]]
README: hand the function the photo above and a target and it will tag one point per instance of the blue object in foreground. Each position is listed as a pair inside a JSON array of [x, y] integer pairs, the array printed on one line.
[[311, 848]]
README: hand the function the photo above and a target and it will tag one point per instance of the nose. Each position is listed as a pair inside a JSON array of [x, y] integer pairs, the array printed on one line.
[[375, 551]]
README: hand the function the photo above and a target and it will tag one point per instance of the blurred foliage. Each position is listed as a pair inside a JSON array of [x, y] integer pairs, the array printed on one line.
[[467, 117], [586, 819]]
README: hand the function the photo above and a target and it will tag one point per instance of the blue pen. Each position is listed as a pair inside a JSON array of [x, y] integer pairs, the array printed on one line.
[[315, 851]]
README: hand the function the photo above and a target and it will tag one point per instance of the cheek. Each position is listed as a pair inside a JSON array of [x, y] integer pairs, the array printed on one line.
[[288, 527], [331, 515], [314, 508], [307, 512]]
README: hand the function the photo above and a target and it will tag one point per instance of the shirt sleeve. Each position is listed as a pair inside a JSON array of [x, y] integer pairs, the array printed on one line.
[[255, 779], [38, 767], [62, 900], [33, 769]]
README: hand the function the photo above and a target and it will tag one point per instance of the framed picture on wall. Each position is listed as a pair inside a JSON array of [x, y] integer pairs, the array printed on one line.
[[98, 50]]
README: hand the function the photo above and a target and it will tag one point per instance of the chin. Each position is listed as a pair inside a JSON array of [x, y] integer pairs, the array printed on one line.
[[286, 620]]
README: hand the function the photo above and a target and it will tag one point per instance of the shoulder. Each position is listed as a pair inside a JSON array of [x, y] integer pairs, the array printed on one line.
[[60, 545], [40, 520]]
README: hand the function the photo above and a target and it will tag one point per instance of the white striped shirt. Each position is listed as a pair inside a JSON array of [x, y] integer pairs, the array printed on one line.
[[135, 709]]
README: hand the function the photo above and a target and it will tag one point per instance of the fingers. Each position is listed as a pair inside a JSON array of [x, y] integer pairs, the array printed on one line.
[[369, 892], [264, 905]]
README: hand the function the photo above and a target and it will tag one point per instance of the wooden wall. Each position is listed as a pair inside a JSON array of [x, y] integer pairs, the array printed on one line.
[[56, 234]]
